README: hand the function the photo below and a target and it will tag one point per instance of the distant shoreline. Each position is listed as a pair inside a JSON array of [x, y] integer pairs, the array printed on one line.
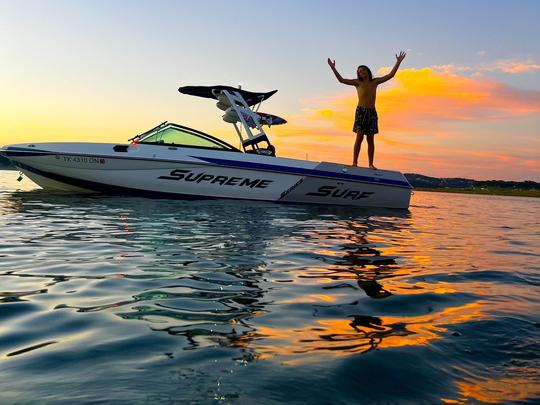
[[493, 191]]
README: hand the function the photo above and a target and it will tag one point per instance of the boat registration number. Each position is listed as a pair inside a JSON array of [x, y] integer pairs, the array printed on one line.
[[81, 159]]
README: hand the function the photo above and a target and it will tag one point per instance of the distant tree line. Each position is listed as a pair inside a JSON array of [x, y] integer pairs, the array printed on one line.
[[421, 181]]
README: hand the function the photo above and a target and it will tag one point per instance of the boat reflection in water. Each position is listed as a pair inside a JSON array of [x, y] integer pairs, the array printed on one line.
[[208, 267]]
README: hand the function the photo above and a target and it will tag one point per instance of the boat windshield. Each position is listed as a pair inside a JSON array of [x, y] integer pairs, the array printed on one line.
[[178, 135]]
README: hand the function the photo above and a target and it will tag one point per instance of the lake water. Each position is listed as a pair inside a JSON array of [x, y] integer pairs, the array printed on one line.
[[132, 300]]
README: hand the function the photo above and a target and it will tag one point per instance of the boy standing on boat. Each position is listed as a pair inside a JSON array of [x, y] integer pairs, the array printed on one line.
[[366, 119]]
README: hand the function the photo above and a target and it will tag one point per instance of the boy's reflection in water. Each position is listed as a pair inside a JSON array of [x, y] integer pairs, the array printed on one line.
[[373, 289], [378, 331], [365, 264]]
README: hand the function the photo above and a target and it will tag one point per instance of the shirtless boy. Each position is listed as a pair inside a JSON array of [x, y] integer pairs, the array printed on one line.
[[366, 120]]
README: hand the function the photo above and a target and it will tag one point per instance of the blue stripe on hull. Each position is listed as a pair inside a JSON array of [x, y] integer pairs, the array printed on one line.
[[11, 153], [303, 172]]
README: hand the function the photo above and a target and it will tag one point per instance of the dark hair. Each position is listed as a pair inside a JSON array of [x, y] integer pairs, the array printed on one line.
[[370, 75]]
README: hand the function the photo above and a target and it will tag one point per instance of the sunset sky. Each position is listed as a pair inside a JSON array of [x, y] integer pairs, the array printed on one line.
[[465, 103]]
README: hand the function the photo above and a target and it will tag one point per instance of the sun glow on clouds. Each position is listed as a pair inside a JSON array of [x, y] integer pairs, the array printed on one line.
[[509, 66], [426, 121]]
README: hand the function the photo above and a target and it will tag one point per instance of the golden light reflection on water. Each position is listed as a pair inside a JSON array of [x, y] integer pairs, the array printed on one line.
[[362, 333], [9, 183], [311, 298], [518, 385], [424, 261]]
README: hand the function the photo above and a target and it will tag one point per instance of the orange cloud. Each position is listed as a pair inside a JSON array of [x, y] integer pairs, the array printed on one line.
[[510, 66], [423, 120], [513, 66]]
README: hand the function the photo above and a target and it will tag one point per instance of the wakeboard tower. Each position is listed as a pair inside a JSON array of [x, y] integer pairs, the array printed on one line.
[[241, 109]]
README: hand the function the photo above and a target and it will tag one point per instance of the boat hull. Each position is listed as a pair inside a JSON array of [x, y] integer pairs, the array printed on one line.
[[158, 171]]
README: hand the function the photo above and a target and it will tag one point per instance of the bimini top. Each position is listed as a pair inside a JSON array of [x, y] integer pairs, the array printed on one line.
[[252, 98]]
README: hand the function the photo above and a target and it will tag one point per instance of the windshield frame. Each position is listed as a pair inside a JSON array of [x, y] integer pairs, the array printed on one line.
[[224, 146]]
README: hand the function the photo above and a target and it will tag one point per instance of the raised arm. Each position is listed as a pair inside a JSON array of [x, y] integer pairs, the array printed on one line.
[[351, 82], [385, 78]]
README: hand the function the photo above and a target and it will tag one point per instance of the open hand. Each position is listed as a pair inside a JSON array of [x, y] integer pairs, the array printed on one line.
[[401, 56], [332, 63]]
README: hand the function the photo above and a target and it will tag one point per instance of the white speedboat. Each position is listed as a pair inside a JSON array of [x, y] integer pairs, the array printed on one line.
[[175, 161]]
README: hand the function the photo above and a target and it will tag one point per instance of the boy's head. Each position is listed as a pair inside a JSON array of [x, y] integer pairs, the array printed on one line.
[[364, 73]]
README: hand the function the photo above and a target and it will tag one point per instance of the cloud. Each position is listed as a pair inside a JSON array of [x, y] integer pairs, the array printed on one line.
[[513, 66], [426, 117], [509, 66], [424, 96]]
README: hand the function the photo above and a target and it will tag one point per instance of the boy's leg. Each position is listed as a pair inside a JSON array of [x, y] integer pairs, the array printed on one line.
[[357, 145], [371, 149]]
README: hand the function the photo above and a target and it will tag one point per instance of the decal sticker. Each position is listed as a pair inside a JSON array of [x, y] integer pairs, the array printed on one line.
[[291, 188], [334, 192], [201, 177]]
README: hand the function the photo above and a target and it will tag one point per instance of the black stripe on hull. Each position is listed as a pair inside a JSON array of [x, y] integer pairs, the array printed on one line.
[[112, 190]]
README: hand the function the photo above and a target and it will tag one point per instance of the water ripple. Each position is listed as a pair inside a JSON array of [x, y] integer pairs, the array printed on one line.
[[112, 299]]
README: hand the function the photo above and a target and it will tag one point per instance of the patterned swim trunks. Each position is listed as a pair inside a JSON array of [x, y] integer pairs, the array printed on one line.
[[366, 121]]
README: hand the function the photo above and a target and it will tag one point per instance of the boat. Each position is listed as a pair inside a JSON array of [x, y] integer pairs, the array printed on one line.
[[175, 161]]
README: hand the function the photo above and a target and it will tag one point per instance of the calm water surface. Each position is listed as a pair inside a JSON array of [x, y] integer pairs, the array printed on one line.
[[131, 300]]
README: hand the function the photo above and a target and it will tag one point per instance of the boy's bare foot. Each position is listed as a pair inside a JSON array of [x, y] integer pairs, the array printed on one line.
[[372, 167], [354, 164]]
